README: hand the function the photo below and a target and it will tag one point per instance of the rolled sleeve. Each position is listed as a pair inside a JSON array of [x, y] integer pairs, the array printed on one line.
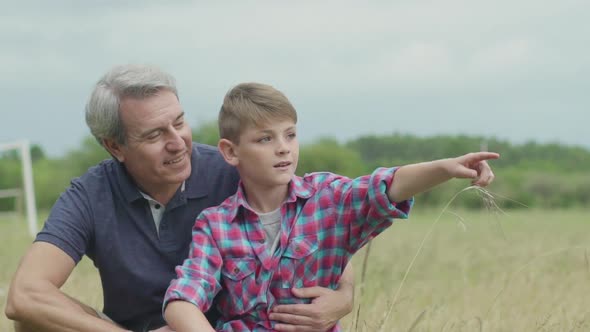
[[366, 209], [69, 225], [381, 181]]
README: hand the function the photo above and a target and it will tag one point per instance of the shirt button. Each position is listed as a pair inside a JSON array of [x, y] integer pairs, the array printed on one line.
[[236, 270], [157, 206], [297, 249], [261, 241]]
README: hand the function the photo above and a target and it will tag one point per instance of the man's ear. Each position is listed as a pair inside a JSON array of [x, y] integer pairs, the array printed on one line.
[[114, 148], [228, 151]]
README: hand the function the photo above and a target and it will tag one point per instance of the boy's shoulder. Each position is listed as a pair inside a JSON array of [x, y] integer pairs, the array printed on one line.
[[321, 179], [305, 186], [225, 211]]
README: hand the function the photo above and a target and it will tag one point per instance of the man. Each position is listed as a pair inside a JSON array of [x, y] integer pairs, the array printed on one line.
[[133, 216]]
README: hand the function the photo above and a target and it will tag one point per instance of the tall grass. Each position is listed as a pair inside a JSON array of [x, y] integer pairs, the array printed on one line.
[[527, 270], [524, 271]]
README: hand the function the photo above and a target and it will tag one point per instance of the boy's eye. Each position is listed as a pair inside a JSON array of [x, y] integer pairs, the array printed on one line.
[[264, 139], [292, 135]]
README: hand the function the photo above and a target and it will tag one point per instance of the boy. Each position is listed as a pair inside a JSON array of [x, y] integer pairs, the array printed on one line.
[[281, 231]]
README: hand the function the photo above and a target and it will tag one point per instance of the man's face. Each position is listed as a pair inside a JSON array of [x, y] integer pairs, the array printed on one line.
[[158, 147], [267, 155]]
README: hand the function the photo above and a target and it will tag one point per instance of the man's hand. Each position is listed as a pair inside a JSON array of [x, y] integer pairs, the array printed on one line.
[[324, 311], [163, 329]]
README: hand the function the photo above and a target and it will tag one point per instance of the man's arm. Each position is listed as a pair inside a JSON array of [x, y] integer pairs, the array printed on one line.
[[413, 179], [325, 310], [35, 299], [184, 316]]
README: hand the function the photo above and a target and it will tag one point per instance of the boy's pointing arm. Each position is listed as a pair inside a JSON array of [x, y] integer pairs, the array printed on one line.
[[413, 179]]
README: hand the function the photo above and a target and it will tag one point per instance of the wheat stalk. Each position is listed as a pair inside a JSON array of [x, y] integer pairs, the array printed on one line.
[[488, 199]]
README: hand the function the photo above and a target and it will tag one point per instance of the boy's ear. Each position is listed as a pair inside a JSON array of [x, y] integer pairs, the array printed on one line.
[[228, 151], [114, 148]]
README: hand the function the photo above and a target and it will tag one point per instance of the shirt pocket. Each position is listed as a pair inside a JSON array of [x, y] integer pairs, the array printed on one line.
[[299, 264], [239, 284]]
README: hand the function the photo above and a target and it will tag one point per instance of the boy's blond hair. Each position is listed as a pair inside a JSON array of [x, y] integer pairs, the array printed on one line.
[[252, 104]]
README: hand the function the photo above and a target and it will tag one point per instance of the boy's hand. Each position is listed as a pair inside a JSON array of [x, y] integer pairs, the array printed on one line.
[[473, 166]]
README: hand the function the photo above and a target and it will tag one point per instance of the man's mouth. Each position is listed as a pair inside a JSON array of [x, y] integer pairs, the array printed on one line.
[[175, 161]]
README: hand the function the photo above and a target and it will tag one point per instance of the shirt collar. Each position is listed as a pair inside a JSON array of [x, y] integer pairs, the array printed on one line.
[[298, 188], [126, 183]]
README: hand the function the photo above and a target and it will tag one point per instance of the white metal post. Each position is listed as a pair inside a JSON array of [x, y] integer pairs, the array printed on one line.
[[29, 188]]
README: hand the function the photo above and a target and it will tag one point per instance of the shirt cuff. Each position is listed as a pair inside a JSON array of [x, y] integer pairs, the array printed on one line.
[[381, 181]]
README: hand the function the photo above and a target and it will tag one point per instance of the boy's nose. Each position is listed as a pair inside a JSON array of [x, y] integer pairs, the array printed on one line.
[[283, 147]]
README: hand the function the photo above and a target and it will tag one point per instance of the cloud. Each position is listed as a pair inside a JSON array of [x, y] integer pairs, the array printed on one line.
[[335, 59]]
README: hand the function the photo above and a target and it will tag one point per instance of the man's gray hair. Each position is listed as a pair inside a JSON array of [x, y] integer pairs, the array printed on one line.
[[137, 81]]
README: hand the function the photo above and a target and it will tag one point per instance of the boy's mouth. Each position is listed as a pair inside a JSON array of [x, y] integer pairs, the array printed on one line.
[[283, 164]]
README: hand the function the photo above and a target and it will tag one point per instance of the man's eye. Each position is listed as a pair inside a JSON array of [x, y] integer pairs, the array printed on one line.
[[154, 135], [179, 124]]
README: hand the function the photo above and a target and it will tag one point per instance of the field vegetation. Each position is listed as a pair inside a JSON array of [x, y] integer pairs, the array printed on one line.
[[527, 270], [523, 268]]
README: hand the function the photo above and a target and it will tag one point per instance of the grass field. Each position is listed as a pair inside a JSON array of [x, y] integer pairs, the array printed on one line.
[[528, 270]]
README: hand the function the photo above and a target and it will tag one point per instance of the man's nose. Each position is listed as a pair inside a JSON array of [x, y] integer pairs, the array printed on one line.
[[175, 142]]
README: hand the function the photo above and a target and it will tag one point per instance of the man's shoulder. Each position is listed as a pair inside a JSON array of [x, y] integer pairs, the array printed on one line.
[[207, 150], [97, 174], [209, 157]]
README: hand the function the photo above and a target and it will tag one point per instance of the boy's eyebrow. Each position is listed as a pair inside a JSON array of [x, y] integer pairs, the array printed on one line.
[[149, 131], [270, 130]]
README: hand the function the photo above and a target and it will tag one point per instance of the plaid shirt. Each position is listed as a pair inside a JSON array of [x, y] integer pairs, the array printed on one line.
[[325, 220]]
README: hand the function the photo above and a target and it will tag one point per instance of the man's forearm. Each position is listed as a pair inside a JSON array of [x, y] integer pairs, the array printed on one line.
[[49, 309]]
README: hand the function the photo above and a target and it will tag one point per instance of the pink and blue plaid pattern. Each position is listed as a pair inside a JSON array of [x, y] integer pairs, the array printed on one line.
[[326, 219]]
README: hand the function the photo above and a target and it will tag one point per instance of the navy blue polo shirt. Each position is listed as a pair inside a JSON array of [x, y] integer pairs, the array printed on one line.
[[104, 216]]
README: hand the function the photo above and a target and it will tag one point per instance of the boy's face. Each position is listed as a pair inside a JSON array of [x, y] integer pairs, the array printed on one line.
[[267, 155]]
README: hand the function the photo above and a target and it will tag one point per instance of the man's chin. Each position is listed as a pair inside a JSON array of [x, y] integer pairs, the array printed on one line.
[[179, 176]]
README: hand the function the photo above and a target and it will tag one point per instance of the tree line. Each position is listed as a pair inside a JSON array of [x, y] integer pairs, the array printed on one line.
[[527, 175]]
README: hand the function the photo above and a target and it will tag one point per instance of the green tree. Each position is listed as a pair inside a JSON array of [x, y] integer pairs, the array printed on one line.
[[327, 155], [207, 133]]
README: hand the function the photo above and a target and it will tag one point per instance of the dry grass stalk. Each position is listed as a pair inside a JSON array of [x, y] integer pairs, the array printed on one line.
[[362, 285], [417, 320], [587, 261], [490, 202]]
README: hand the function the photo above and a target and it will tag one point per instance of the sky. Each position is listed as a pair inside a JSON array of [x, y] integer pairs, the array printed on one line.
[[516, 70]]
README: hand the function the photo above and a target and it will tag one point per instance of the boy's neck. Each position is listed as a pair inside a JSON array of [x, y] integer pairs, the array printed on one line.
[[267, 199]]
